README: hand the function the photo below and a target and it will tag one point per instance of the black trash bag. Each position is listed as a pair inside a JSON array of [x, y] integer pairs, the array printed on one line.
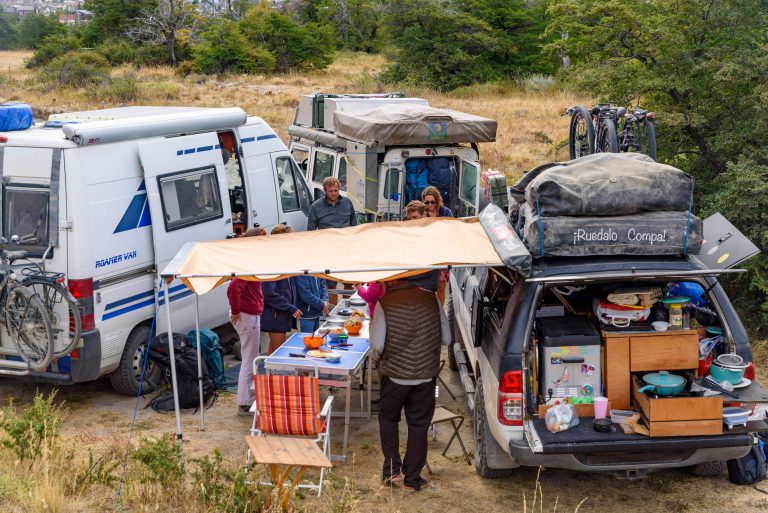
[[186, 375], [751, 468]]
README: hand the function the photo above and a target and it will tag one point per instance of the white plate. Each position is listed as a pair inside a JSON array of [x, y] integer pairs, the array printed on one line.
[[745, 382]]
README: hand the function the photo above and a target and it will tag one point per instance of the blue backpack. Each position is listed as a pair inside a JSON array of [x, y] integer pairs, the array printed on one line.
[[212, 354], [415, 179], [440, 176]]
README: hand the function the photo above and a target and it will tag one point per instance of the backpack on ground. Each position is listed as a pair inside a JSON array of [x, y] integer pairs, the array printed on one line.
[[212, 354], [415, 179], [186, 375], [751, 468]]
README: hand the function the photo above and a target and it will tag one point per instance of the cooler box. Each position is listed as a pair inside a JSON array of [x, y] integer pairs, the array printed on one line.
[[570, 353]]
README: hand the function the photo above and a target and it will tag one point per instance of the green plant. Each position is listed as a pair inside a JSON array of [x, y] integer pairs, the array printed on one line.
[[27, 430], [98, 470], [223, 487], [76, 69], [151, 55], [117, 51], [53, 46], [224, 49], [161, 459], [121, 89]]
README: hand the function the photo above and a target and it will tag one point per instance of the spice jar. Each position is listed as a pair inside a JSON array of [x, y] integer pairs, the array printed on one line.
[[675, 317]]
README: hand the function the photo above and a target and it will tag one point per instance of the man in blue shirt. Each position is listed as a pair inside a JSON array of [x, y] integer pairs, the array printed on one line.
[[312, 300]]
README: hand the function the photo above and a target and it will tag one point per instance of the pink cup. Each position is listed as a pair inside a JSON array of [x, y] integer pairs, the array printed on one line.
[[601, 407]]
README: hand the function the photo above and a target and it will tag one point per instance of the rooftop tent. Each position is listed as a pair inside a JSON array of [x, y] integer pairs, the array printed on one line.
[[365, 253], [410, 124]]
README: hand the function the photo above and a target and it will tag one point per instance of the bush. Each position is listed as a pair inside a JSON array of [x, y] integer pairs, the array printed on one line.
[[34, 28], [121, 89], [223, 486], [52, 47], [29, 429], [151, 55], [77, 69], [117, 51], [161, 459], [224, 48]]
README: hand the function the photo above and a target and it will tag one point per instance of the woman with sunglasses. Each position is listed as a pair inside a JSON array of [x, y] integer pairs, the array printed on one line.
[[433, 201]]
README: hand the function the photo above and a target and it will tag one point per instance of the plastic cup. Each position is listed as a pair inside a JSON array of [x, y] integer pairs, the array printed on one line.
[[601, 407]]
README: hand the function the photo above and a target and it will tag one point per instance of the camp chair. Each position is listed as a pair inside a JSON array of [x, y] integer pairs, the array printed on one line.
[[289, 405]]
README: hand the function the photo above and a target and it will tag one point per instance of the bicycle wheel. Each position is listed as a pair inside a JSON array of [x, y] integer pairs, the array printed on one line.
[[607, 142], [29, 327], [581, 134], [63, 312]]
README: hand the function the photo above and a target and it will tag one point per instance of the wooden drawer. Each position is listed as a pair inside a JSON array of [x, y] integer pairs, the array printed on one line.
[[664, 351]]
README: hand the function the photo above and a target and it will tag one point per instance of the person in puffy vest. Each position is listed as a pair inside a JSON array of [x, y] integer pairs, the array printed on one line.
[[408, 353]]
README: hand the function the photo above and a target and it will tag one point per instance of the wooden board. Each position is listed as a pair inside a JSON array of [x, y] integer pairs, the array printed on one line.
[[616, 370], [281, 450], [668, 350], [582, 410], [667, 409], [684, 427]]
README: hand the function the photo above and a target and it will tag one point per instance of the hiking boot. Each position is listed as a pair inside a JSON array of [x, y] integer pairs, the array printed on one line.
[[244, 411], [417, 487], [388, 480]]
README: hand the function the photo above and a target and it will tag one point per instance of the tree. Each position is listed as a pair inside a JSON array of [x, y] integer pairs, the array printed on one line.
[[224, 48], [700, 65], [294, 47], [113, 18], [33, 28], [9, 32], [163, 24]]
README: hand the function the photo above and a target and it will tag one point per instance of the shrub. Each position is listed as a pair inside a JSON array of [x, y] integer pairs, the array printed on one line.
[[28, 430], [120, 89], [117, 51], [77, 69], [52, 47], [161, 459], [223, 486], [34, 28], [224, 48], [151, 55]]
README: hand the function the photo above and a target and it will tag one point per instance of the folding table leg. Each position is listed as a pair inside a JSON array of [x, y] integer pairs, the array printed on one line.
[[287, 492]]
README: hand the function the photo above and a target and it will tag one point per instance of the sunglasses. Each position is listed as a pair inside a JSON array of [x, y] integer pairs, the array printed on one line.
[[430, 202]]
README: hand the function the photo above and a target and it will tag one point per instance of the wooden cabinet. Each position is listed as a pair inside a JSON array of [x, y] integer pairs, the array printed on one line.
[[627, 352]]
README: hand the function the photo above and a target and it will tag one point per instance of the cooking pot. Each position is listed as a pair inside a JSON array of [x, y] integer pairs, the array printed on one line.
[[603, 425], [663, 383]]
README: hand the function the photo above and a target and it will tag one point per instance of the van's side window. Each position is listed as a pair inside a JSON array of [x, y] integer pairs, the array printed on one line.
[[343, 174], [469, 178], [190, 198], [391, 183], [323, 166], [301, 156], [289, 198], [25, 213]]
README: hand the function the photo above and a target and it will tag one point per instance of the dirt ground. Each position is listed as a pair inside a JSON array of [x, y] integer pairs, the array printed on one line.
[[97, 415]]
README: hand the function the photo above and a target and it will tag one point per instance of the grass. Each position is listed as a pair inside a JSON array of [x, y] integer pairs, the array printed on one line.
[[530, 127]]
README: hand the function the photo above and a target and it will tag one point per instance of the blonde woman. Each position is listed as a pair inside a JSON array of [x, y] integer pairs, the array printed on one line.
[[433, 202]]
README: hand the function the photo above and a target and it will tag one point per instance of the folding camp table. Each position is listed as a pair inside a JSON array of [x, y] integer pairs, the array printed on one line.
[[339, 375]]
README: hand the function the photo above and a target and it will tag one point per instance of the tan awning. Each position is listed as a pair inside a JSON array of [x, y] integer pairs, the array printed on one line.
[[365, 253]]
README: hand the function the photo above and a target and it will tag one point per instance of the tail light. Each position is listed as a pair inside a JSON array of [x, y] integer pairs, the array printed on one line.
[[82, 290], [510, 410]]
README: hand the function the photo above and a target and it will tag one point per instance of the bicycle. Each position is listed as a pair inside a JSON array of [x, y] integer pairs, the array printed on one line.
[[605, 116], [637, 132], [581, 132], [26, 317], [62, 307]]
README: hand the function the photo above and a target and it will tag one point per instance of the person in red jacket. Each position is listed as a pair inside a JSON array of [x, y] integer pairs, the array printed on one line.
[[246, 303]]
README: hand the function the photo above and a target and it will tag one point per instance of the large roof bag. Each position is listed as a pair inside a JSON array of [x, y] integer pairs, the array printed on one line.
[[606, 184], [668, 233], [411, 125]]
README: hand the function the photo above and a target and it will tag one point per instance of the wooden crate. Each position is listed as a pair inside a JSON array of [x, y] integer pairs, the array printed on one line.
[[679, 416]]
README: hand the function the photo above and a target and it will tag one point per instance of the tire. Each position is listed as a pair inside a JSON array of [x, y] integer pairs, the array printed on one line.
[[650, 139], [581, 133], [607, 141], [53, 294], [708, 469], [29, 327], [452, 364], [125, 379], [483, 439]]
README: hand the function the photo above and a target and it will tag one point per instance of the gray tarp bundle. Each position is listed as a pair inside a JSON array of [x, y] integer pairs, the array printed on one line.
[[505, 241], [607, 204], [410, 124]]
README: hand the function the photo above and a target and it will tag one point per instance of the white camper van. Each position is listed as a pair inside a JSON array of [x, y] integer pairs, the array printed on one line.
[[385, 149], [113, 194]]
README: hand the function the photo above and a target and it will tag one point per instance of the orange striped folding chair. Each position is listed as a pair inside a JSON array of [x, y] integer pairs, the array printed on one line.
[[289, 405]]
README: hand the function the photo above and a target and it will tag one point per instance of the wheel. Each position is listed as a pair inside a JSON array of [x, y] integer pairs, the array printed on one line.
[[484, 440], [29, 327], [63, 312], [125, 379], [452, 364], [581, 134], [607, 142], [649, 146], [708, 469]]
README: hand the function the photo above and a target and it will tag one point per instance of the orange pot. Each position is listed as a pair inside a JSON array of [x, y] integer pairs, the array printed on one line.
[[313, 342]]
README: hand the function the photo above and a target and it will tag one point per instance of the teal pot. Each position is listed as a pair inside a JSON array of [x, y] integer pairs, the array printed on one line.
[[663, 383]]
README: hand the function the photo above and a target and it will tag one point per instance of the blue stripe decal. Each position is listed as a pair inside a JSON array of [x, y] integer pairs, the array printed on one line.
[[177, 296], [263, 137], [218, 146], [188, 151], [204, 148], [180, 152], [129, 299], [247, 139], [172, 290], [127, 309]]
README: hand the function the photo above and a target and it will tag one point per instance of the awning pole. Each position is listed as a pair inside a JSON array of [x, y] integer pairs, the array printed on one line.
[[172, 355], [199, 363]]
